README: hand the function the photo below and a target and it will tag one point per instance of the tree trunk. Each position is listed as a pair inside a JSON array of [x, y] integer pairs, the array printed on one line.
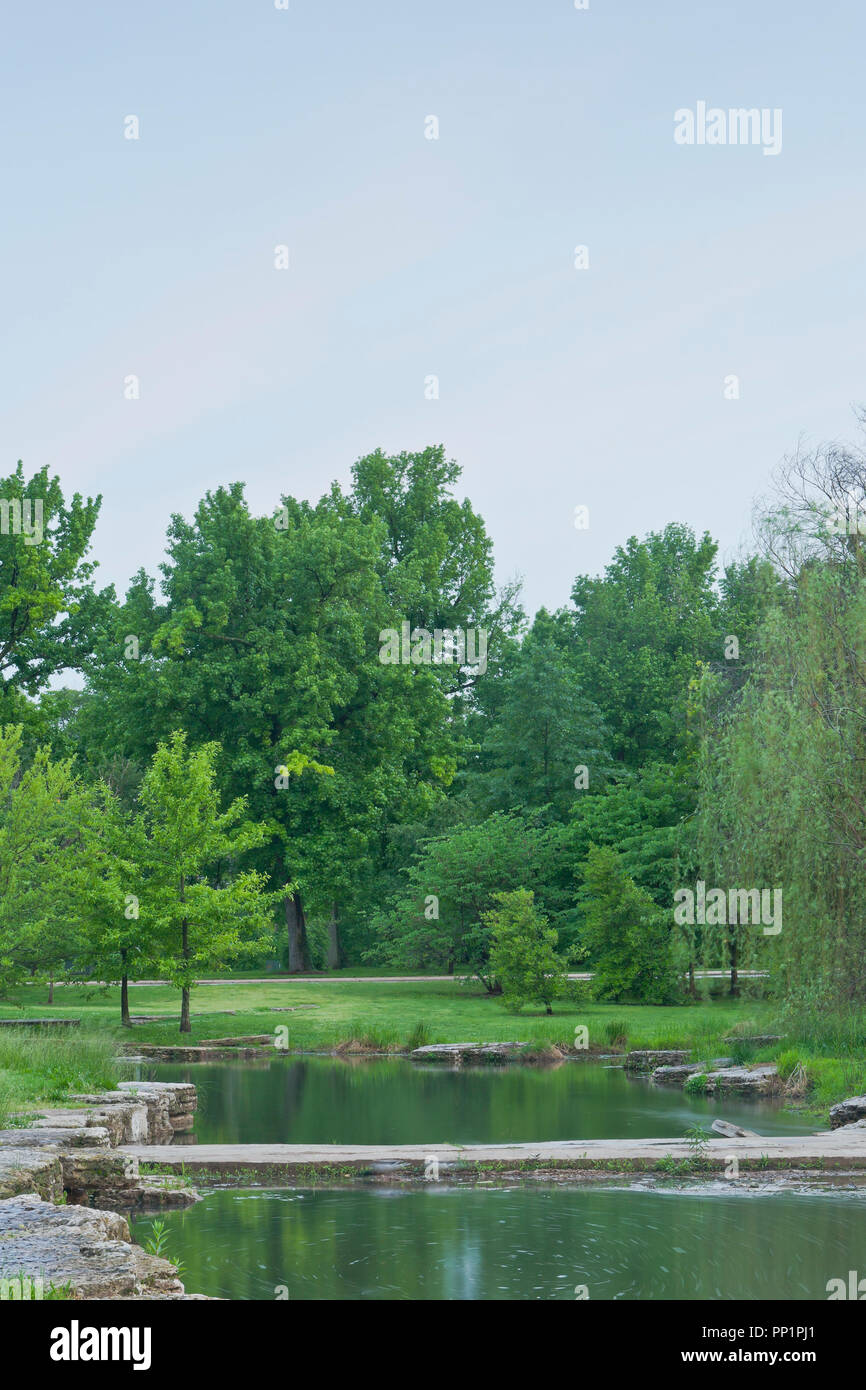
[[296, 928], [185, 1026], [51, 989], [124, 993], [735, 986], [334, 952]]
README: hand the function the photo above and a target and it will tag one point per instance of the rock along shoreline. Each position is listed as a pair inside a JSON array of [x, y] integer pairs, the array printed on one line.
[[65, 1182]]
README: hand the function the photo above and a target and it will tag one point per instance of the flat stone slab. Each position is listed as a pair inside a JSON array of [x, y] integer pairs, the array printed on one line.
[[754, 1039], [649, 1060], [833, 1149], [199, 1053], [40, 1022], [180, 1096], [680, 1074], [760, 1079], [252, 1040], [51, 1117], [42, 1135], [847, 1112], [467, 1052]]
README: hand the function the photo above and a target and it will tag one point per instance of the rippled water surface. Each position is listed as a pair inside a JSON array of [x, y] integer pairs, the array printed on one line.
[[518, 1243]]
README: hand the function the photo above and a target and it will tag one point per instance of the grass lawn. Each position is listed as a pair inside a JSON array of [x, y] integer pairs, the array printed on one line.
[[50, 1067], [391, 1015]]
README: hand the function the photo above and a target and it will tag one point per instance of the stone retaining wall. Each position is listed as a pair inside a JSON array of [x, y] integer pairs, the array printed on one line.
[[75, 1155]]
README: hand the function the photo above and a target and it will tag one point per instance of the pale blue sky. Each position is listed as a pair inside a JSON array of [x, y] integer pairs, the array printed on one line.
[[411, 257]]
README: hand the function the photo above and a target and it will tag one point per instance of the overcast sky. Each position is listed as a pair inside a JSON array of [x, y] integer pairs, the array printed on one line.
[[412, 257]]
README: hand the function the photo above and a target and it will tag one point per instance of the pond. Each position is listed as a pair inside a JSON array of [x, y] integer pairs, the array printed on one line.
[[518, 1243], [325, 1100]]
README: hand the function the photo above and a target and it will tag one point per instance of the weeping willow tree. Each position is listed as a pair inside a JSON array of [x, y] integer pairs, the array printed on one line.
[[783, 765]]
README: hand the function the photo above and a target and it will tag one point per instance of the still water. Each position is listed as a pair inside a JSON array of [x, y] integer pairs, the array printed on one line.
[[324, 1100], [518, 1243]]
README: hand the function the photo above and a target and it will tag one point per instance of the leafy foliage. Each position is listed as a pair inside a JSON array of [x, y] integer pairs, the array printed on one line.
[[523, 956], [628, 938]]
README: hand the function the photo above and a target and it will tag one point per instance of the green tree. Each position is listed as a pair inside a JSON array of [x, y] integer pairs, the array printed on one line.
[[628, 938], [640, 631], [180, 838], [544, 733], [437, 919], [104, 883], [782, 783], [46, 601], [523, 954], [642, 815], [267, 639], [41, 810]]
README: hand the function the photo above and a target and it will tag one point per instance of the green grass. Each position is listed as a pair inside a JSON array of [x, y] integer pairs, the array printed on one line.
[[5, 1100], [824, 1054], [387, 1015], [23, 1286], [54, 1065]]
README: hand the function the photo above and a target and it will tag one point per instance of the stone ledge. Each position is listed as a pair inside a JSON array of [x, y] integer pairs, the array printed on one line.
[[848, 1112], [649, 1060], [680, 1074], [842, 1149], [74, 1153], [200, 1052], [468, 1052], [26, 1168], [762, 1079], [91, 1250]]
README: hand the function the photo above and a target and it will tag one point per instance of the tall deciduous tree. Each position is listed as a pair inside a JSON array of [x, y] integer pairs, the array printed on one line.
[[640, 631], [41, 808], [628, 937], [179, 841], [267, 639], [46, 599], [547, 739]]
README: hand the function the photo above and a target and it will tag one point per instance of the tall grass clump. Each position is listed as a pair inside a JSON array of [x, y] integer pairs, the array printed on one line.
[[615, 1032], [419, 1036], [787, 1062], [53, 1065]]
